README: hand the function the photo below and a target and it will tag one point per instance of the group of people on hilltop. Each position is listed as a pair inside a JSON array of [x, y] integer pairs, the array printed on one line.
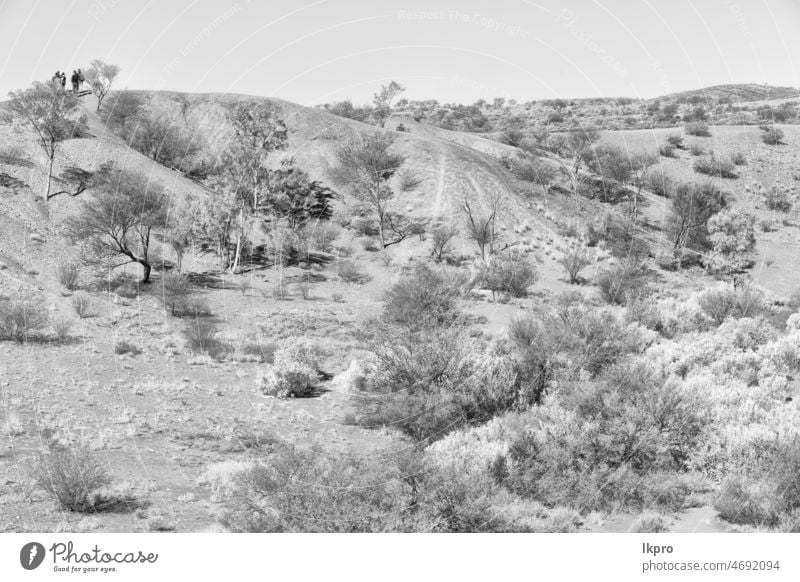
[[59, 80]]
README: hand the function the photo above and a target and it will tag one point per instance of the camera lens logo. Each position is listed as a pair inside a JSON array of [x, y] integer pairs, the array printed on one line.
[[31, 555]]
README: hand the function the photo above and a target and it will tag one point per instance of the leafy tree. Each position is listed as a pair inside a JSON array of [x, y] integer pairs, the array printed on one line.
[[733, 239], [383, 101], [366, 165], [692, 207], [50, 113], [294, 196], [183, 226], [574, 151], [119, 221], [100, 76], [257, 133]]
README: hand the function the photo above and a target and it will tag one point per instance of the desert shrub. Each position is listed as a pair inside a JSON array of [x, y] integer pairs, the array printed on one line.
[[305, 491], [68, 275], [21, 320], [82, 305], [349, 272], [176, 292], [623, 282], [733, 240], [62, 328], [675, 140], [765, 494], [712, 166], [667, 150], [201, 337], [293, 373], [324, 235], [511, 273], [650, 522], [659, 184], [585, 453], [123, 347], [597, 339], [697, 128], [78, 482], [724, 302], [422, 298], [739, 158], [771, 135], [778, 200], [430, 382], [620, 238], [574, 260], [441, 240], [696, 150]]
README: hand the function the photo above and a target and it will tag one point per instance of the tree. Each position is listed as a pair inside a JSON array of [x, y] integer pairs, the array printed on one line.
[[49, 112], [383, 101], [182, 226], [366, 165], [483, 228], [692, 207], [119, 221], [575, 259], [574, 151], [297, 198], [257, 132], [100, 76], [733, 239]]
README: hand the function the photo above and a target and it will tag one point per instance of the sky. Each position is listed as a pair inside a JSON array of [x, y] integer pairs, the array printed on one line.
[[318, 51]]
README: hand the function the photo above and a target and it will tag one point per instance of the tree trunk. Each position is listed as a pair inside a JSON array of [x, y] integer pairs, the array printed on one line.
[[146, 274], [49, 177]]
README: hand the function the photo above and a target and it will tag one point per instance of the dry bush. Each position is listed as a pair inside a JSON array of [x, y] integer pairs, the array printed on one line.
[[123, 347], [778, 200], [423, 298], [78, 482], [293, 373], [21, 320], [574, 260], [201, 336], [441, 239], [622, 283], [82, 305], [767, 494], [176, 294], [511, 273], [62, 328], [697, 128], [772, 135], [721, 303], [712, 166], [739, 159], [349, 272], [68, 275]]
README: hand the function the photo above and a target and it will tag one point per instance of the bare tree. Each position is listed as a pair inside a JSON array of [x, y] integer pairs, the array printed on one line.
[[483, 228], [100, 76], [118, 222], [49, 112]]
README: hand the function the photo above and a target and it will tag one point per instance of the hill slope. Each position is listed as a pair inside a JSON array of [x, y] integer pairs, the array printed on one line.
[[740, 93]]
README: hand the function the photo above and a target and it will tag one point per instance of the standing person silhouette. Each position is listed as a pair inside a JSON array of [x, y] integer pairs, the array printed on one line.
[[56, 80], [81, 79], [63, 82], [74, 80]]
